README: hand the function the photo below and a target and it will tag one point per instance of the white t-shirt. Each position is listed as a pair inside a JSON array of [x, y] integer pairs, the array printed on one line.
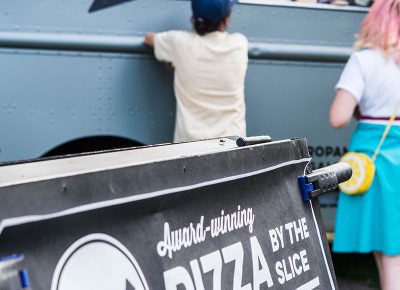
[[209, 82], [374, 81]]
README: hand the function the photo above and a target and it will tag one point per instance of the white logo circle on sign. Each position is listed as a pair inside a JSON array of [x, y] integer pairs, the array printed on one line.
[[98, 262]]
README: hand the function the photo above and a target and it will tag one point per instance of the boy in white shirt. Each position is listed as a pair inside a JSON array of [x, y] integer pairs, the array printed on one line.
[[210, 69]]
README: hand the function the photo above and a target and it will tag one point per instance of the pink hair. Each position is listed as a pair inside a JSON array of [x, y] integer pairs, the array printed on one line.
[[381, 28]]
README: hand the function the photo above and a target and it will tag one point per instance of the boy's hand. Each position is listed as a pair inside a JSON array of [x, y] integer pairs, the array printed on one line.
[[149, 39]]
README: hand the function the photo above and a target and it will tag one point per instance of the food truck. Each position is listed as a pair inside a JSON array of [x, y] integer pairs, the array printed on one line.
[[75, 76]]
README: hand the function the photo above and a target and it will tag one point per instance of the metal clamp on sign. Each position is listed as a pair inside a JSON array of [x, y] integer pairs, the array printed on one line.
[[240, 142], [324, 180]]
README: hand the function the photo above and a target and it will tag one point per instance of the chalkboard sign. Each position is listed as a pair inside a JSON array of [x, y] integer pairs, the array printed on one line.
[[199, 215]]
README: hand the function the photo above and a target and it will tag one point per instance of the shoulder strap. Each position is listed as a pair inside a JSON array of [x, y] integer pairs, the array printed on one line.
[[388, 125]]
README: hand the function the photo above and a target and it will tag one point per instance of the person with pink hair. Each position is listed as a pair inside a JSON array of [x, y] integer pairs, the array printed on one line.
[[369, 89]]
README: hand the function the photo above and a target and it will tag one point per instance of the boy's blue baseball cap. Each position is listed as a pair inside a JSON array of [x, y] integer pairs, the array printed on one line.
[[212, 10]]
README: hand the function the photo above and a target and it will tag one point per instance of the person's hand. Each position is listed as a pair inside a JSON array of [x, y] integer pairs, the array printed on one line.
[[149, 39]]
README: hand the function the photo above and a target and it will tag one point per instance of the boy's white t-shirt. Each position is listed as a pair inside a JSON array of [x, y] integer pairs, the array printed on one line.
[[208, 82], [374, 81]]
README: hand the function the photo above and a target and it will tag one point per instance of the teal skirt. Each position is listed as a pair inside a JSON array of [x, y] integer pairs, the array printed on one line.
[[371, 222]]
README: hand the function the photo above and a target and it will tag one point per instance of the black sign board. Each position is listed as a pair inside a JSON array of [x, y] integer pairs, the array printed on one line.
[[221, 218]]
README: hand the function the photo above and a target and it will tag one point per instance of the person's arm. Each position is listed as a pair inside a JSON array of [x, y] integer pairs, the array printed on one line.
[[342, 109], [149, 39], [164, 44]]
